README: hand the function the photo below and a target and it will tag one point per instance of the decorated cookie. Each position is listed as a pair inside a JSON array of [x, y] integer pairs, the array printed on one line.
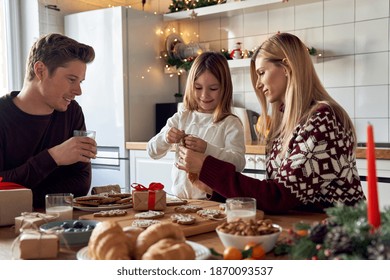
[[211, 214], [183, 219], [144, 223], [187, 208], [110, 213], [149, 215]]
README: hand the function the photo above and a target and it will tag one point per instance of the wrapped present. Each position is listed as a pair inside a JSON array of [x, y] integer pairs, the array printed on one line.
[[152, 198], [32, 220], [14, 199], [38, 245]]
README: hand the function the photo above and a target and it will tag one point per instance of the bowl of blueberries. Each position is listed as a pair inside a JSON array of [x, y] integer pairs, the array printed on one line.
[[71, 232]]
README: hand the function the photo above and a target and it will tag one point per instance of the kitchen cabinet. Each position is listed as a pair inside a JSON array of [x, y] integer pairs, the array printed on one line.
[[145, 170], [383, 174]]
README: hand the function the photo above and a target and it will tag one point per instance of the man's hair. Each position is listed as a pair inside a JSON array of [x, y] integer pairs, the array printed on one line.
[[56, 50]]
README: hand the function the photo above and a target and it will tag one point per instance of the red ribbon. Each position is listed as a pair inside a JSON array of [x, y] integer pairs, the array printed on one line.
[[9, 185], [153, 187]]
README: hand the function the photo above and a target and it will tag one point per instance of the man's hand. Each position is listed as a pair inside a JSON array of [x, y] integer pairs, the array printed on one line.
[[75, 149]]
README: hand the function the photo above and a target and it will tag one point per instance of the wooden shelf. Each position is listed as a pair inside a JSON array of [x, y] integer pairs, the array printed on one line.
[[239, 63], [227, 9]]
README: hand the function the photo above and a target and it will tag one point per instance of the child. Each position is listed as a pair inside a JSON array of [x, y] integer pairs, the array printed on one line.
[[205, 125]]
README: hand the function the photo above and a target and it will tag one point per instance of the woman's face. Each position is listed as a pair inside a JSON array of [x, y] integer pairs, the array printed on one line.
[[207, 92], [272, 80]]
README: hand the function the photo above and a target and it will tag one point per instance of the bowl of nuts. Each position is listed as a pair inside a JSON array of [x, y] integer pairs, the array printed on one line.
[[239, 233]]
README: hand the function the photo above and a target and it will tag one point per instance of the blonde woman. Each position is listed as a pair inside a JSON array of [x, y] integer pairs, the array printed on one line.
[[206, 125], [311, 142]]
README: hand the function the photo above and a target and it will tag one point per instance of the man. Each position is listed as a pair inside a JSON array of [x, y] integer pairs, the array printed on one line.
[[37, 147]]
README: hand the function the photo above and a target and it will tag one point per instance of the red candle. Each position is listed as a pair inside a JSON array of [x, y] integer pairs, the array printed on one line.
[[373, 213]]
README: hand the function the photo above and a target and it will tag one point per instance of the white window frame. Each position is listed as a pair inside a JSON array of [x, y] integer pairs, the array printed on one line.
[[13, 44]]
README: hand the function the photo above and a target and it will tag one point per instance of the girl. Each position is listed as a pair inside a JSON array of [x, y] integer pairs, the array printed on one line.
[[206, 125]]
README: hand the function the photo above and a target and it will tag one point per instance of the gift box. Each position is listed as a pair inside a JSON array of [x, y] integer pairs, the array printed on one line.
[[32, 220], [38, 245], [14, 199], [152, 198]]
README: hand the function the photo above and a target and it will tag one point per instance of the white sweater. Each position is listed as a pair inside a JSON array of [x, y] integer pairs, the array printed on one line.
[[225, 141]]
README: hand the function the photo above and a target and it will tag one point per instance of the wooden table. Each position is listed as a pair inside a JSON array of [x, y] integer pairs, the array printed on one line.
[[210, 239]]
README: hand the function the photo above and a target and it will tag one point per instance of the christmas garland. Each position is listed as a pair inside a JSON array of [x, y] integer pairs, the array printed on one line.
[[345, 234], [184, 5]]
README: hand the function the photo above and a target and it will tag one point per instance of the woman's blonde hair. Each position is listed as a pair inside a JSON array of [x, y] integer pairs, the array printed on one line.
[[217, 65], [304, 91]]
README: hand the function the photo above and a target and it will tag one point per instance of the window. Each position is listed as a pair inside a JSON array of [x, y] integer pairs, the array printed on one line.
[[3, 53]]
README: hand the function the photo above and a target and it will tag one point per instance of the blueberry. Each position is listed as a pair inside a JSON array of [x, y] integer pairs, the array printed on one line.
[[78, 224], [65, 225]]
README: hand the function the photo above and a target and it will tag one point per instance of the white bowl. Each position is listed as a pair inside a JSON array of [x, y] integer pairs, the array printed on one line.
[[267, 241]]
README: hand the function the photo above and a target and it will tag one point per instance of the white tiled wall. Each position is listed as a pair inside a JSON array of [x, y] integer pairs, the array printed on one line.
[[353, 36]]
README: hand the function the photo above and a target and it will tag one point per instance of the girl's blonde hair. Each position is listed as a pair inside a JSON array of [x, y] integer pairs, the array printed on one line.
[[217, 65], [304, 91]]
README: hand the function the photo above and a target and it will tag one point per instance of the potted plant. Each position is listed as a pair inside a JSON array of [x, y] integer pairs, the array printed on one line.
[[178, 97]]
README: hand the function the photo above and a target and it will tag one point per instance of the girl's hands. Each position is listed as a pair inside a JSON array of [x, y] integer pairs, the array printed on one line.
[[195, 144], [174, 135]]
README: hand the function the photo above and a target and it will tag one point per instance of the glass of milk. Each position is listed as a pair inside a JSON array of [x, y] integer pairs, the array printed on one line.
[[243, 208], [60, 205]]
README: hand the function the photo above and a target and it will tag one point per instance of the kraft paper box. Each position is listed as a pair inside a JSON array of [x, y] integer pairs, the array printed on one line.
[[37, 245], [32, 220], [149, 200], [13, 203]]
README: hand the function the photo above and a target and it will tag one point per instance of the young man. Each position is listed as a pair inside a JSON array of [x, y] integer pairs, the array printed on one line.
[[37, 147]]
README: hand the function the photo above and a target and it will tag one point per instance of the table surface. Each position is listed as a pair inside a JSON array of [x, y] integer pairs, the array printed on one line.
[[209, 240]]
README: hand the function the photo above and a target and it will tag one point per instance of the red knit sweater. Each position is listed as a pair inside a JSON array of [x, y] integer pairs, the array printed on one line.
[[318, 170]]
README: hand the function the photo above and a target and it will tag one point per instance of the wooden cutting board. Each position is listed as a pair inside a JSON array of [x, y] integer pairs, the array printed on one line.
[[201, 225]]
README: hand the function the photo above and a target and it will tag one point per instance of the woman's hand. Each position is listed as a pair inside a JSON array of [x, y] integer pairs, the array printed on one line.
[[189, 160], [194, 143], [174, 135]]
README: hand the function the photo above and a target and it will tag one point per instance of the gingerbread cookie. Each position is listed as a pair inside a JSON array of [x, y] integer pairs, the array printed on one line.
[[211, 214], [124, 200], [187, 208], [149, 215], [110, 213], [144, 223], [183, 219]]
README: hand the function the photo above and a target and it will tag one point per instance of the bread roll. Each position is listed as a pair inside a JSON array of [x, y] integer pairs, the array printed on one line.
[[109, 242], [156, 232], [132, 234], [169, 249]]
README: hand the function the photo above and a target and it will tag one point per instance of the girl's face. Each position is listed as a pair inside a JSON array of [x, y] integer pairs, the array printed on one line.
[[207, 92], [272, 80]]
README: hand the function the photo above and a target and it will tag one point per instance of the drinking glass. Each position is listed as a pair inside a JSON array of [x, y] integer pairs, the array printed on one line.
[[60, 205], [87, 133], [243, 208]]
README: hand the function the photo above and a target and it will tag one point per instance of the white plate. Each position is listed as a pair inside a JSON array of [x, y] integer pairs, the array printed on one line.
[[102, 207], [201, 252]]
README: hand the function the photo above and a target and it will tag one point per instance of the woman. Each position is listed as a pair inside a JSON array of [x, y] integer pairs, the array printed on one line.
[[206, 125], [310, 148]]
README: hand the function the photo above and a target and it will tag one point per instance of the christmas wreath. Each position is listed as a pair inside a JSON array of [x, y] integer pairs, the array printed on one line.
[[346, 234]]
